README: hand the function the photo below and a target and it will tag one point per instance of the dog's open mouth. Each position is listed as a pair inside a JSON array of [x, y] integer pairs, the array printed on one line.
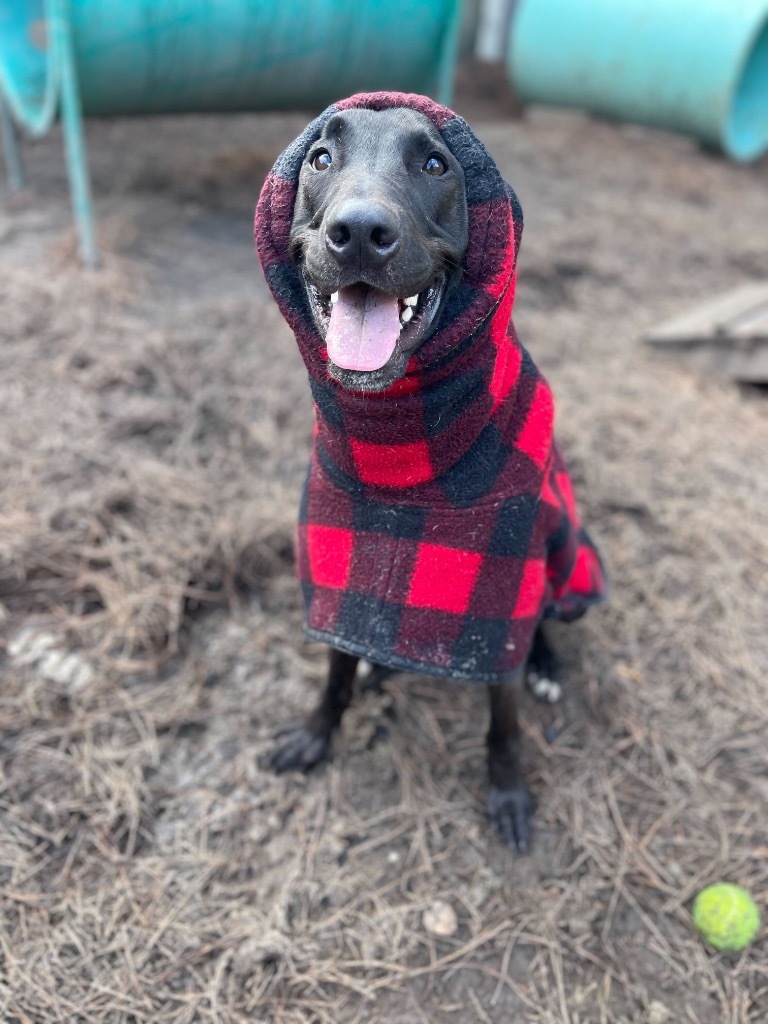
[[364, 327]]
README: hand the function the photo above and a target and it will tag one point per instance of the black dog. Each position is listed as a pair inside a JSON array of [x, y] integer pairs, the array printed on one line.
[[434, 463]]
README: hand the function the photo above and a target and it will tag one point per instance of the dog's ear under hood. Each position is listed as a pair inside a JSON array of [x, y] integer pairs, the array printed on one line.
[[495, 226]]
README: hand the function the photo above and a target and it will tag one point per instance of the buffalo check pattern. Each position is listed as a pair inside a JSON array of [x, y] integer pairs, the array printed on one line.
[[438, 524]]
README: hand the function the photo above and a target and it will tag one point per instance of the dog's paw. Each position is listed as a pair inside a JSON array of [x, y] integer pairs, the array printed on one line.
[[298, 749], [544, 689], [511, 814]]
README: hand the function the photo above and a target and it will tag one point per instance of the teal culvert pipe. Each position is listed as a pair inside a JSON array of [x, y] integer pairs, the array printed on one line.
[[121, 57], [696, 67]]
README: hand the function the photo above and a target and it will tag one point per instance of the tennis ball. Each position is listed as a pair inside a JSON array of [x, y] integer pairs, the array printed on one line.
[[726, 916]]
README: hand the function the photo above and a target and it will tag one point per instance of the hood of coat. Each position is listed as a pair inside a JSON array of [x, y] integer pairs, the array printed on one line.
[[479, 304]]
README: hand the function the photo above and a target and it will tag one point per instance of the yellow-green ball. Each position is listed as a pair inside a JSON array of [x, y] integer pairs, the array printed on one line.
[[726, 916]]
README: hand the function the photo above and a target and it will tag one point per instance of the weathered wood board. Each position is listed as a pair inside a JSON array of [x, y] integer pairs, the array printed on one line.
[[727, 336]]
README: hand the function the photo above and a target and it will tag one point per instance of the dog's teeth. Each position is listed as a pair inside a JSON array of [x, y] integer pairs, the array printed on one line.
[[406, 315], [334, 297], [412, 300]]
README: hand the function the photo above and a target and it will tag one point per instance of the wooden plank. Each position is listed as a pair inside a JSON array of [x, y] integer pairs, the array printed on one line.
[[753, 323], [727, 335]]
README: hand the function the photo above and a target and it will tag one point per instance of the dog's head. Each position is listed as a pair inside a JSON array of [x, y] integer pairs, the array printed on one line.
[[389, 240], [379, 231]]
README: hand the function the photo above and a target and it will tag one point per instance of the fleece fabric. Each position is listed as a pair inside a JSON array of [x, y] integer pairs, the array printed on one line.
[[437, 525]]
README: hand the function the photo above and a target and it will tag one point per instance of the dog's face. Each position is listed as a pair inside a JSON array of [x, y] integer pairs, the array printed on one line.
[[379, 230]]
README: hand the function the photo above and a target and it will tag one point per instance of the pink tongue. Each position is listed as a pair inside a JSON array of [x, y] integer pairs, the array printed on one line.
[[364, 328]]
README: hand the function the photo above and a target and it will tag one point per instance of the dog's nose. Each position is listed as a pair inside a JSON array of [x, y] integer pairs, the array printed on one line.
[[362, 235]]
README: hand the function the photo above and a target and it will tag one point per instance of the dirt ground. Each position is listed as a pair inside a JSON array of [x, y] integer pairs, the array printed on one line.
[[154, 428]]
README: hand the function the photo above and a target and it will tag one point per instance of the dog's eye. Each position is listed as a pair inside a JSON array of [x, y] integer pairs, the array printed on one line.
[[321, 161], [435, 165]]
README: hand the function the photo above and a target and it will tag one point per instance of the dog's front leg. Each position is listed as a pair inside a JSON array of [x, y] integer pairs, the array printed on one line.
[[510, 804], [304, 745]]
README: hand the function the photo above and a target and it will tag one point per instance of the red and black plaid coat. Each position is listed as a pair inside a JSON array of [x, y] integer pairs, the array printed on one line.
[[437, 525]]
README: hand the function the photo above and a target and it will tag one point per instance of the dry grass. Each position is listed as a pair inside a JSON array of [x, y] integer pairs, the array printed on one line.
[[155, 428]]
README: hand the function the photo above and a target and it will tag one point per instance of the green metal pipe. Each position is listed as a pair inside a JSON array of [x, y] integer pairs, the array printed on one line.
[[74, 140], [29, 66], [698, 68], [172, 56], [10, 148]]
